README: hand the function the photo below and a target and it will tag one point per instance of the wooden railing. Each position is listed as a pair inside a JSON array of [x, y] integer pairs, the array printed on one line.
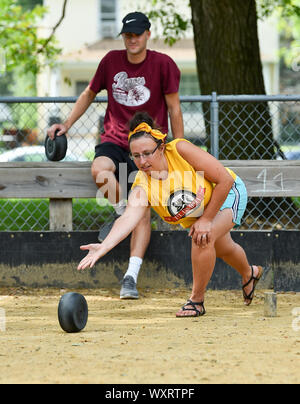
[[61, 182]]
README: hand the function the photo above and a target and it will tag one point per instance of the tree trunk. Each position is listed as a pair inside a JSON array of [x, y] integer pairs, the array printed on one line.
[[228, 62]]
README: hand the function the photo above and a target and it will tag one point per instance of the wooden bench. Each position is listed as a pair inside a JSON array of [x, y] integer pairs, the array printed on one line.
[[61, 182]]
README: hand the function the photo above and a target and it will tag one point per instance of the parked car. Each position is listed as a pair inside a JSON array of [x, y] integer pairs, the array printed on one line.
[[289, 155], [33, 154], [292, 155]]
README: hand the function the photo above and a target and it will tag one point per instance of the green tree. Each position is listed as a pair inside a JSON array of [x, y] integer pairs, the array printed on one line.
[[286, 8], [228, 62], [20, 40], [29, 4], [289, 25]]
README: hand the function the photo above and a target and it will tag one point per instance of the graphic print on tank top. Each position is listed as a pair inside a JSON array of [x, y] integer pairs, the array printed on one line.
[[184, 203], [130, 92]]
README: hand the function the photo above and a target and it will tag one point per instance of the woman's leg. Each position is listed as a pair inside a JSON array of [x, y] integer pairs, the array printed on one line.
[[234, 255], [203, 263], [204, 259]]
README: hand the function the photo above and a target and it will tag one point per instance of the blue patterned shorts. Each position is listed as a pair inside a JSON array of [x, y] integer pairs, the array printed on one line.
[[236, 201]]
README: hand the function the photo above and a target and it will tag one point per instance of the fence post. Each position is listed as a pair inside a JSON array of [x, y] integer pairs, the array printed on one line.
[[61, 215], [214, 126]]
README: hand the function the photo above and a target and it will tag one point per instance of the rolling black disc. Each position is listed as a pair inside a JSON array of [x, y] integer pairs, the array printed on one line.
[[72, 312]]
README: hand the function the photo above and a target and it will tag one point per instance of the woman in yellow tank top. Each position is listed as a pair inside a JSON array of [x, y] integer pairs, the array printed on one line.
[[185, 185]]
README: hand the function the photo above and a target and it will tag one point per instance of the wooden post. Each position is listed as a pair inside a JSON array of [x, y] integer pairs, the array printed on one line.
[[270, 307], [61, 214]]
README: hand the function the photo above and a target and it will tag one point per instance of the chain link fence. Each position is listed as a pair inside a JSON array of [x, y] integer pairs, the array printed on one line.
[[230, 127]]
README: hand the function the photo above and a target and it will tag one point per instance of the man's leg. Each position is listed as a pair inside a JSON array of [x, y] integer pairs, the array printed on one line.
[[139, 242], [103, 172]]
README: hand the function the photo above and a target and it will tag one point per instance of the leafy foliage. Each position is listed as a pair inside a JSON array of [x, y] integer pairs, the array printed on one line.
[[288, 12], [20, 40], [286, 8], [172, 22], [175, 24]]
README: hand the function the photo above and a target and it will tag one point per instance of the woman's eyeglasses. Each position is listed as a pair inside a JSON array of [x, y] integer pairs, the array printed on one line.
[[146, 154]]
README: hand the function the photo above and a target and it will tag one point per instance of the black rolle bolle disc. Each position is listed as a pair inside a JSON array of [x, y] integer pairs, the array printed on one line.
[[72, 312], [56, 149]]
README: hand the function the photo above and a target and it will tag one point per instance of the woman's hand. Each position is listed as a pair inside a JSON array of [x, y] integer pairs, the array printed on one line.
[[96, 251], [136, 209], [200, 232]]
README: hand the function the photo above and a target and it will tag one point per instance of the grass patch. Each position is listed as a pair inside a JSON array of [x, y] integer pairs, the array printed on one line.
[[89, 215], [296, 201], [33, 214], [24, 214]]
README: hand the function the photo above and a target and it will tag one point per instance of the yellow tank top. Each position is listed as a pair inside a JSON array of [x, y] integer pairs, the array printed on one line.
[[181, 198]]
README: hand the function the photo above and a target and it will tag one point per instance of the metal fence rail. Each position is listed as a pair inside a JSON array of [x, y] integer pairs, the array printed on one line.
[[230, 127]]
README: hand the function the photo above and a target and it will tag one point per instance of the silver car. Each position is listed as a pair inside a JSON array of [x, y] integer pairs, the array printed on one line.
[[33, 154]]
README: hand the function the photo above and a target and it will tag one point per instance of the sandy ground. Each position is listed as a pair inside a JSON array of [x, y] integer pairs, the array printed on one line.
[[142, 341]]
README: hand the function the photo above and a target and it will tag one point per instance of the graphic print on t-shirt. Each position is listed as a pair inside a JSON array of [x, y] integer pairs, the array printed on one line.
[[130, 91]]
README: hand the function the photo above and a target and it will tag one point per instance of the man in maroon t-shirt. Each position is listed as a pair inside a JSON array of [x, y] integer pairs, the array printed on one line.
[[136, 79]]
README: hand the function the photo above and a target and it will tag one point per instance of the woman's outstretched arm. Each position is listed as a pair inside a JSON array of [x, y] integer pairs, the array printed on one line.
[[123, 226]]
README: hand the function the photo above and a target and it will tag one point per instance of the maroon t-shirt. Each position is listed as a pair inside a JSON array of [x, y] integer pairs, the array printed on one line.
[[132, 88]]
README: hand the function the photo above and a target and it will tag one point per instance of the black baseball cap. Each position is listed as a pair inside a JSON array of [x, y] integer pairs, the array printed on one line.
[[136, 23]]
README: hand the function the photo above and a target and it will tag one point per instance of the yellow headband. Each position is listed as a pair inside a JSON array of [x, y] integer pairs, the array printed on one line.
[[144, 127]]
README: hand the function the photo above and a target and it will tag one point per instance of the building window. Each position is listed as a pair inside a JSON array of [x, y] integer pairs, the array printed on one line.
[[108, 18], [80, 86]]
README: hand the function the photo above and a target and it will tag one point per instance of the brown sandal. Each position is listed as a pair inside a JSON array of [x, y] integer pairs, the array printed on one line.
[[255, 281]]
